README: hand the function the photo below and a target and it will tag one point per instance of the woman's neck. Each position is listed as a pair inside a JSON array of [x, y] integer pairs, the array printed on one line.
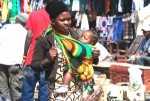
[[60, 32]]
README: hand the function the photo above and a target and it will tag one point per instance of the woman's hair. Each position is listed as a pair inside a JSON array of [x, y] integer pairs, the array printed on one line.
[[54, 8]]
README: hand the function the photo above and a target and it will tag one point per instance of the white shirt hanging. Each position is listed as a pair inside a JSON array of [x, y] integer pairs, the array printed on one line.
[[76, 5], [84, 22], [138, 4], [119, 6]]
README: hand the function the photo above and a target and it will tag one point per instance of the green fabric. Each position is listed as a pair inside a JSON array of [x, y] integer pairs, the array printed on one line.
[[80, 50], [14, 11]]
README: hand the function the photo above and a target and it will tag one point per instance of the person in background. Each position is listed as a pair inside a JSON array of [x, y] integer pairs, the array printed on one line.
[[36, 24], [104, 54], [12, 41], [143, 55]]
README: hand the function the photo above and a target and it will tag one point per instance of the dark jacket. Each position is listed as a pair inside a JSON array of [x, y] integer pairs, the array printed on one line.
[[41, 58]]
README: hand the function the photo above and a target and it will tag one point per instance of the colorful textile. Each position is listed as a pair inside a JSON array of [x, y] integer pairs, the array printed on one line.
[[4, 10], [75, 50], [128, 28], [75, 47], [118, 29]]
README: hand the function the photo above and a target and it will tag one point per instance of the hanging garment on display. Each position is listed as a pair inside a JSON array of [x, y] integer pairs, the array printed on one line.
[[102, 22], [14, 10], [127, 6], [114, 5], [67, 2], [128, 28], [83, 5], [1, 2], [4, 10], [118, 29], [97, 22], [107, 6], [143, 14], [76, 5], [84, 22], [99, 6], [146, 2], [25, 6], [78, 18], [119, 6], [40, 4], [109, 27], [138, 4]]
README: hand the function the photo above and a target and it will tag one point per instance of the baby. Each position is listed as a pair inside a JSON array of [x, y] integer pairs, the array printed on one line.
[[88, 37]]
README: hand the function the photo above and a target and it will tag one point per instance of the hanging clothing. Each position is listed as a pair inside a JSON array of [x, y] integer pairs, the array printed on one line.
[[146, 2], [78, 17], [14, 10], [99, 6], [109, 27], [114, 5], [118, 29], [107, 6], [127, 6], [5, 10], [101, 25], [120, 9], [83, 5], [143, 14], [1, 3], [25, 6], [84, 22], [67, 2], [90, 5], [128, 28], [138, 4], [76, 5]]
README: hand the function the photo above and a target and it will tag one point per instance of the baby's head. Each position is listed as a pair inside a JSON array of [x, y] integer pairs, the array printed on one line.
[[89, 37]]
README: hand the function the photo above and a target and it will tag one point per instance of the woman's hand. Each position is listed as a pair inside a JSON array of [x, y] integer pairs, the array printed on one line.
[[53, 53]]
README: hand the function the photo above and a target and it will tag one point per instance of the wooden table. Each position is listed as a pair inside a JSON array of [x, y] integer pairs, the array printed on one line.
[[145, 74], [108, 64]]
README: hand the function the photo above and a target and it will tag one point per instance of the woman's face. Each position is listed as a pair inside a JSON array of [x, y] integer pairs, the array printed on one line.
[[62, 23]]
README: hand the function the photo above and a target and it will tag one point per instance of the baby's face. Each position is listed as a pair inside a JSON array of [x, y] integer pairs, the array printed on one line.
[[86, 37]]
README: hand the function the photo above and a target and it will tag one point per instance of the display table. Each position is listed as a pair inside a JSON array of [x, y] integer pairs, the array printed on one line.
[[108, 64], [118, 72]]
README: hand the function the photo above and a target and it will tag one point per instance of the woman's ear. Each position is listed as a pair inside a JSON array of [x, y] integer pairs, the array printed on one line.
[[53, 21]]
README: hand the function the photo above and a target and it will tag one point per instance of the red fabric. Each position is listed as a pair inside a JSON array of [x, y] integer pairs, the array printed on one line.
[[22, 5], [107, 6], [37, 22], [146, 79], [118, 74], [119, 69]]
